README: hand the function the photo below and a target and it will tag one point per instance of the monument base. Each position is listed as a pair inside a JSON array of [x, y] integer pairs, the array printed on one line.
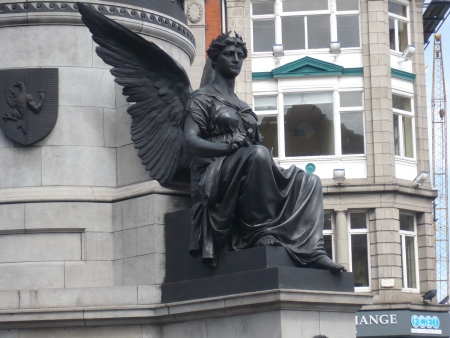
[[251, 270]]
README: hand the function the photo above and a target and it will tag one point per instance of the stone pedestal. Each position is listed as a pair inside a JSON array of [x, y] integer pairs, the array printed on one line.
[[252, 293], [250, 270]]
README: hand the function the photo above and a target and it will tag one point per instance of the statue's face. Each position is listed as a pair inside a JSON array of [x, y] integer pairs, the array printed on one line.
[[229, 62]]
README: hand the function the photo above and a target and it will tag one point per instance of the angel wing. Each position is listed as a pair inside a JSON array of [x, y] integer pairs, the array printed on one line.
[[157, 84], [11, 97]]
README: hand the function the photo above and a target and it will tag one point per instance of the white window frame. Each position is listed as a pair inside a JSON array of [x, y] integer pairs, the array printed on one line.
[[331, 232], [279, 14], [400, 113], [354, 109], [305, 15], [262, 17], [403, 235], [337, 111], [359, 232], [398, 18], [335, 14]]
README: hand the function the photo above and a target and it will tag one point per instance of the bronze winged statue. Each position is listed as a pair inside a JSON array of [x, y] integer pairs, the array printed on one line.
[[241, 199]]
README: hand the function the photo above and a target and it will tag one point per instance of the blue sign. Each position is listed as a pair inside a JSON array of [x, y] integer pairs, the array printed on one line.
[[425, 322]]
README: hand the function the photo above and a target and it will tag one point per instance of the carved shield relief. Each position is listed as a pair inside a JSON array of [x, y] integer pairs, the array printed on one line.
[[28, 103]]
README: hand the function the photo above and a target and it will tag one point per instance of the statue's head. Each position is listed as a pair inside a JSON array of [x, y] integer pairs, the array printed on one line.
[[222, 41]]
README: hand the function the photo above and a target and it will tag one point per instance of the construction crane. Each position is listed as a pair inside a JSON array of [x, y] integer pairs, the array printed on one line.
[[439, 167]]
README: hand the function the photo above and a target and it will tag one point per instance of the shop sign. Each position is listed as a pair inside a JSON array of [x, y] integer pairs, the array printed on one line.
[[403, 323], [425, 324]]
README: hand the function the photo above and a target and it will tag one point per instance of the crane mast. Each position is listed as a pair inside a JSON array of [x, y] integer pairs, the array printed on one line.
[[439, 166]]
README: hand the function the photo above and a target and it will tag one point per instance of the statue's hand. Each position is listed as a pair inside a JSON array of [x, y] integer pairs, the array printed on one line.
[[238, 141]]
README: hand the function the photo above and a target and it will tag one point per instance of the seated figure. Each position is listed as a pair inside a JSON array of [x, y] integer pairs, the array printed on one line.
[[240, 197]]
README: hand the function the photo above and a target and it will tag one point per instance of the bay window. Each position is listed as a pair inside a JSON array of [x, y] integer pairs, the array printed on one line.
[[312, 123], [304, 24], [408, 242]]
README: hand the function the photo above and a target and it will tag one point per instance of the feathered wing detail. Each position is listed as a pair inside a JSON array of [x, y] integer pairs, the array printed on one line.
[[157, 84]]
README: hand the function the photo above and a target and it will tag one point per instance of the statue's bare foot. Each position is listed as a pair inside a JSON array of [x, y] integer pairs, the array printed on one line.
[[267, 240], [325, 263]]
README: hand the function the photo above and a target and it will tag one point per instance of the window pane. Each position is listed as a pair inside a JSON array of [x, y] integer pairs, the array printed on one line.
[[396, 8], [309, 126], [347, 5], [406, 222], [351, 99], [392, 34], [304, 5], [348, 30], [396, 135], [408, 137], [401, 102], [293, 32], [263, 35], [318, 31], [360, 265], [328, 244], [358, 220], [264, 103], [261, 8], [327, 221], [352, 133], [269, 130], [410, 262], [402, 35]]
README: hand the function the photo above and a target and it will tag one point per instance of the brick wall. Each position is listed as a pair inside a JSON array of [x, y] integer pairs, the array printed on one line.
[[213, 15]]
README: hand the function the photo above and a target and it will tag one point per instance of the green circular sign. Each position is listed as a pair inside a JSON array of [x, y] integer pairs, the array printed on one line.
[[310, 168]]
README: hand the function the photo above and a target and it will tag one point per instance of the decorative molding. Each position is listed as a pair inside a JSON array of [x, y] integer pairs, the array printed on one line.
[[131, 308], [353, 71], [307, 67], [262, 76], [402, 75], [89, 194], [194, 12], [42, 231], [141, 20]]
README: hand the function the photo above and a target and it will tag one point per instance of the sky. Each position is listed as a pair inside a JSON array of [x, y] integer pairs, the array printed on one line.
[[445, 45]]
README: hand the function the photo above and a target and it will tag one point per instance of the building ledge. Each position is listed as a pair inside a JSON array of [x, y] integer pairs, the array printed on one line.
[[89, 194], [407, 306], [176, 312]]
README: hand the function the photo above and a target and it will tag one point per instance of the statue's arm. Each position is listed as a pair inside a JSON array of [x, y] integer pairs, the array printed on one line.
[[195, 145]]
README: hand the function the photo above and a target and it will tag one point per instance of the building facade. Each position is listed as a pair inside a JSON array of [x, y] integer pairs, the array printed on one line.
[[335, 89]]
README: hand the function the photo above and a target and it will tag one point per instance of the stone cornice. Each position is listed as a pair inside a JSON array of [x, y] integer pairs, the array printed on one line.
[[379, 188], [191, 310], [408, 306], [88, 194], [141, 20]]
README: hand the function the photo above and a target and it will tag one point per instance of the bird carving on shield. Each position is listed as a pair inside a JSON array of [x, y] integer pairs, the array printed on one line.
[[20, 103]]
